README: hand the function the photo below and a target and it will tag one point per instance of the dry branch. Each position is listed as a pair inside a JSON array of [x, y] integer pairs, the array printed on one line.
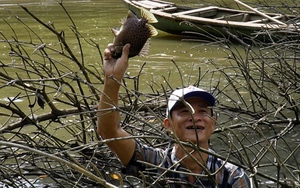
[[258, 108]]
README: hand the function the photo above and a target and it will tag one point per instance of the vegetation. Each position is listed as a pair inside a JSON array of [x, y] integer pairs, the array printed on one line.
[[64, 99]]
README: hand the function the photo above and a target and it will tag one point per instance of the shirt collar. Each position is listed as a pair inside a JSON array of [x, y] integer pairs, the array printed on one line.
[[175, 160]]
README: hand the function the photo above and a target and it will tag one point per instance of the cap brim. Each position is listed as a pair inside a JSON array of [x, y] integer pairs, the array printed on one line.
[[189, 92], [203, 95]]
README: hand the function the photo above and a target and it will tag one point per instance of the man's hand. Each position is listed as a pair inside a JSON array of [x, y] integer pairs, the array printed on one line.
[[115, 67]]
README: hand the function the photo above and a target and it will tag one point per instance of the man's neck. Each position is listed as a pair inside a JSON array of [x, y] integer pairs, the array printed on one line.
[[191, 159]]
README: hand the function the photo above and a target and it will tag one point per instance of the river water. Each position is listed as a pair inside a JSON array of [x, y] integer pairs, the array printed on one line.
[[93, 19]]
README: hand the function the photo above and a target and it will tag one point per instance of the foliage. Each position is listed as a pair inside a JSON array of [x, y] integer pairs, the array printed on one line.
[[64, 99]]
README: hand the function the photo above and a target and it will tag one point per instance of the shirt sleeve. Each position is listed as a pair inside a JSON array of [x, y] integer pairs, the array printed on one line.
[[146, 154]]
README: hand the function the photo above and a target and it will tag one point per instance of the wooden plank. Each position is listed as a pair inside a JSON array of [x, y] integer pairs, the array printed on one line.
[[230, 16], [213, 22], [194, 10], [163, 2], [260, 13], [265, 19], [151, 4], [167, 9]]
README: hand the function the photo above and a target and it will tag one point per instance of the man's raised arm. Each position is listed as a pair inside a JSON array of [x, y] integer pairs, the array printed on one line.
[[108, 115]]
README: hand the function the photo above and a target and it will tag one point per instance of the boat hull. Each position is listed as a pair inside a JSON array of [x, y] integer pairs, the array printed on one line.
[[226, 22]]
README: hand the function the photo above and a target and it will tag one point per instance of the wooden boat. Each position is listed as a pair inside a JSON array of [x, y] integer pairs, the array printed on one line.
[[213, 21]]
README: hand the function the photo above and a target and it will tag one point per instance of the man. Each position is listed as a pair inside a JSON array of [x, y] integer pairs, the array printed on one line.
[[190, 119]]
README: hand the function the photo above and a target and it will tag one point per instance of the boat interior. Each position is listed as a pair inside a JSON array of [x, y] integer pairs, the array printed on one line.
[[212, 12]]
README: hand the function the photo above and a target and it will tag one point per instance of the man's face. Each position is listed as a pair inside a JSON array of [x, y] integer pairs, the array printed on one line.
[[188, 126]]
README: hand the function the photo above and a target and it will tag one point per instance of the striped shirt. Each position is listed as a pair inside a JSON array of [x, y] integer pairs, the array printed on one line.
[[162, 169]]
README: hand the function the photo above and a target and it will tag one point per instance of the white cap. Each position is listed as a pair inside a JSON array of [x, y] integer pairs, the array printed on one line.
[[189, 92]]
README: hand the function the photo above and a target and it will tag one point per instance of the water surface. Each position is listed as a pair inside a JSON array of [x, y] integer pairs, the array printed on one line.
[[93, 19]]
